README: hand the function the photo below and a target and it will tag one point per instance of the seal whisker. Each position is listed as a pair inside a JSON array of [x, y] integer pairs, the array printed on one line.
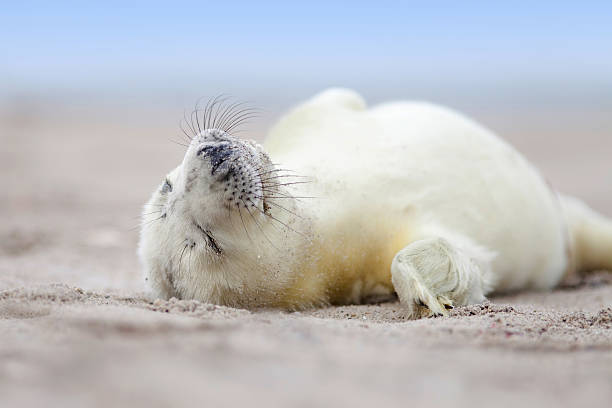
[[287, 197], [271, 192], [150, 213], [189, 137], [221, 118], [207, 113], [214, 114], [196, 110], [142, 225], [204, 112], [270, 173], [273, 225], [235, 113], [288, 184], [190, 125], [221, 113], [178, 143], [202, 122], [277, 172], [258, 226], [231, 115], [181, 257], [210, 113], [238, 131], [189, 260], [239, 122], [285, 176], [281, 207], [197, 120], [228, 114], [242, 113], [239, 117], [242, 220], [279, 179], [230, 129], [282, 223]]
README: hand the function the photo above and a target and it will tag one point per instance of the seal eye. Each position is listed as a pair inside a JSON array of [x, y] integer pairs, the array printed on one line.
[[166, 188]]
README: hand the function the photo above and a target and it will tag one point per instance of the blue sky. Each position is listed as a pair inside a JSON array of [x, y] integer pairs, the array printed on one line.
[[384, 48]]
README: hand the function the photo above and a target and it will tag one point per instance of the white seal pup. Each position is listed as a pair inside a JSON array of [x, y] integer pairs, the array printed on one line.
[[406, 198]]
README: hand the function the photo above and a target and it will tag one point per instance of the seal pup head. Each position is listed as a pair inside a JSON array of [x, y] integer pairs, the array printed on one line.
[[212, 231], [221, 174]]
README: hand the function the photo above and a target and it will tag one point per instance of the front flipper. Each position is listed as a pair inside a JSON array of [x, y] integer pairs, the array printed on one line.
[[433, 275]]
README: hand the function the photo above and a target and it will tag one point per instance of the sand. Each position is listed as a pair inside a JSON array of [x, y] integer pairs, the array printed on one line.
[[77, 328]]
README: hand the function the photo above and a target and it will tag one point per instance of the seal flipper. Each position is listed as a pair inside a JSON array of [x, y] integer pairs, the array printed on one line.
[[590, 237], [433, 275]]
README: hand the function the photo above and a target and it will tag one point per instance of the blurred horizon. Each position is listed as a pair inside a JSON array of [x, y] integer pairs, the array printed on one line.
[[82, 85], [473, 55]]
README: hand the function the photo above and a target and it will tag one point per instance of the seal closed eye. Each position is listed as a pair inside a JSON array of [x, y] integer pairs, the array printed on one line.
[[210, 241], [434, 208]]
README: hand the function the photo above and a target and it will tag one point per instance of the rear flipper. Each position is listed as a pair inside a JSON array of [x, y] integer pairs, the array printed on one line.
[[435, 274], [590, 237]]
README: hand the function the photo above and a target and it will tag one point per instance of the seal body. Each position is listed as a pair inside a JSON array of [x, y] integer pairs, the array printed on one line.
[[406, 197]]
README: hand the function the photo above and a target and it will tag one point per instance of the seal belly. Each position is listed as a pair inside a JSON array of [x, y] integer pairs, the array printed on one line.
[[357, 259], [348, 260]]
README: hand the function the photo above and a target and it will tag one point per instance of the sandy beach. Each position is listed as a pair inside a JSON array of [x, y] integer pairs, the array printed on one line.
[[77, 328]]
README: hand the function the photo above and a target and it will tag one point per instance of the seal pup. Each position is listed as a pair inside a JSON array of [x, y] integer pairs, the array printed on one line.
[[405, 198]]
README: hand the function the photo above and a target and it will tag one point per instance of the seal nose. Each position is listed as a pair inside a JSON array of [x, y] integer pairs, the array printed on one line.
[[217, 154]]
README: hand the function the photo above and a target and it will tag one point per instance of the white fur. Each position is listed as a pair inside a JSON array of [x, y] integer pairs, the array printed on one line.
[[433, 166], [408, 197]]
